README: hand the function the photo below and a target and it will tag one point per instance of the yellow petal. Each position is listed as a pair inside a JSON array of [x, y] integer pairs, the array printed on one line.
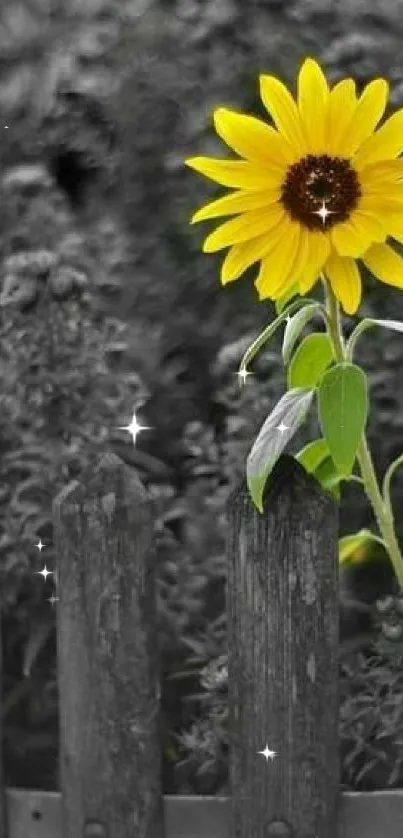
[[276, 267], [342, 105], [344, 277], [313, 98], [348, 240], [252, 138], [384, 144], [381, 172], [369, 110], [385, 264], [247, 226], [242, 256], [302, 256], [369, 224], [393, 223], [382, 193], [318, 252], [284, 112], [238, 173], [380, 202], [235, 203]]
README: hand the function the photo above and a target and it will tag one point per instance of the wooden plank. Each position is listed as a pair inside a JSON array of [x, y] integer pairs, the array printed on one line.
[[283, 658], [108, 669], [378, 814], [3, 832]]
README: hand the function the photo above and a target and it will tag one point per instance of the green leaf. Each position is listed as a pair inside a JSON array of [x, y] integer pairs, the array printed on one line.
[[289, 413], [350, 543], [281, 303], [313, 454], [294, 328], [327, 475], [343, 411], [365, 324], [269, 331], [316, 459], [309, 362], [329, 478]]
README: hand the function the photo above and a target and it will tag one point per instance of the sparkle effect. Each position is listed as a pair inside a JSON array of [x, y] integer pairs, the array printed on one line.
[[281, 427], [134, 428], [53, 599], [45, 572], [323, 212], [40, 545], [318, 180], [268, 754], [243, 374]]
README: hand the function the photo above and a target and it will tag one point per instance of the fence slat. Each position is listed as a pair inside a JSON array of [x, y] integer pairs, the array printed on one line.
[[283, 659], [375, 814], [2, 789], [108, 671]]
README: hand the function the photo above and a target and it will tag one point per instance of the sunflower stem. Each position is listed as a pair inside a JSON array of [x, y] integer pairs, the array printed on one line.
[[382, 510]]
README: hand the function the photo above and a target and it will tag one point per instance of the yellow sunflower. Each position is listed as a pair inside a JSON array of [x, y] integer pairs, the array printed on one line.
[[313, 194]]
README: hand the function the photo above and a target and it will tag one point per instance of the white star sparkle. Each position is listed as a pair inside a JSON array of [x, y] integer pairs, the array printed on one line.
[[268, 754], [323, 212], [243, 374], [52, 599], [45, 572], [134, 428], [40, 545], [281, 427]]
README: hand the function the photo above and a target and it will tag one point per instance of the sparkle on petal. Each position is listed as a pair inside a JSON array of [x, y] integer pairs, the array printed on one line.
[[40, 545], [281, 427], [134, 428], [45, 572], [268, 754]]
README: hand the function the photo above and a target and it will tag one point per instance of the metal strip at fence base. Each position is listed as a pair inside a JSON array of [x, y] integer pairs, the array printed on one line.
[[37, 814]]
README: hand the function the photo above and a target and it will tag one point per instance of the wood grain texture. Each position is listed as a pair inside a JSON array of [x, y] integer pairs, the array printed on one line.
[[283, 659], [3, 833], [376, 814], [108, 669]]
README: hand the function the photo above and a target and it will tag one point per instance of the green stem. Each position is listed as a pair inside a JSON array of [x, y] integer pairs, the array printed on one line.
[[382, 510]]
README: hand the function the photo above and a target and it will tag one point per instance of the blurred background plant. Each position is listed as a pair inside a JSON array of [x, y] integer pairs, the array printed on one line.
[[108, 306]]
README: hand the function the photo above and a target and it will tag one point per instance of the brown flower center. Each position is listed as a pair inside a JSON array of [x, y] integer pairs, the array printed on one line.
[[320, 183]]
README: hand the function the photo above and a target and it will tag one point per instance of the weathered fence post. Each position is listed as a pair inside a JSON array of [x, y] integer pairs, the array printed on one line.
[[107, 657], [2, 788], [283, 659]]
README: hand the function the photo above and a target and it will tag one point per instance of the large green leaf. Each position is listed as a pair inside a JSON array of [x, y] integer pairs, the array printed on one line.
[[343, 411], [310, 360], [294, 328], [395, 325], [288, 415]]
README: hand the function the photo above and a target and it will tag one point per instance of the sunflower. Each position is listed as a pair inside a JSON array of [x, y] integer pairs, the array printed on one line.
[[313, 193]]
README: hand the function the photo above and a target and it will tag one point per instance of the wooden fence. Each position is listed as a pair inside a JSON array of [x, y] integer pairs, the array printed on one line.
[[282, 673]]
